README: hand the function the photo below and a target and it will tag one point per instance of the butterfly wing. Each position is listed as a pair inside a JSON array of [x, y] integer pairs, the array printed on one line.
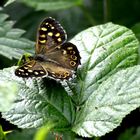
[[61, 62], [66, 55], [70, 57], [53, 57], [50, 35], [57, 71], [31, 69], [42, 69]]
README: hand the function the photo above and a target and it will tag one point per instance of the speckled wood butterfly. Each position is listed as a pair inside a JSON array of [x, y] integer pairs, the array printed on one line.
[[53, 57]]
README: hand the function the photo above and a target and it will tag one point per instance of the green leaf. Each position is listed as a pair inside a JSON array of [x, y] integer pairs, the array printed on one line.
[[43, 132], [111, 102], [8, 90], [49, 5], [38, 102], [104, 50], [11, 43]]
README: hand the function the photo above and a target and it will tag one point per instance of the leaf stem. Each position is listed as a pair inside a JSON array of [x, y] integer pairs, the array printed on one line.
[[42, 133]]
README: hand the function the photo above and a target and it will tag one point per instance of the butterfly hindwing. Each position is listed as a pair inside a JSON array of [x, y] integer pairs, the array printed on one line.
[[57, 71], [31, 69], [66, 55], [71, 53], [50, 34]]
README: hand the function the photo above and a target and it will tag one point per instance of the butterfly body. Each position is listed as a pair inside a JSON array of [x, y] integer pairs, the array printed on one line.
[[53, 57]]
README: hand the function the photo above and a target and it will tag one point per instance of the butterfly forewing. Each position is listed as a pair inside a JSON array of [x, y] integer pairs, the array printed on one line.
[[50, 34]]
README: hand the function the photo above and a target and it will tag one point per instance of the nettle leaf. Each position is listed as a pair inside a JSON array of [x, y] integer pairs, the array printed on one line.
[[111, 102], [49, 5], [104, 99], [12, 45], [104, 49], [38, 102], [8, 90]]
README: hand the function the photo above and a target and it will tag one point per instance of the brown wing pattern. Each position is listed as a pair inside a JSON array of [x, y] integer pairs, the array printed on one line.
[[31, 69], [50, 34], [53, 57], [66, 55]]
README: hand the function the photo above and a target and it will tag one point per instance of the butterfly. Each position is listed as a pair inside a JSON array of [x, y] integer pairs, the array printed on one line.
[[54, 57]]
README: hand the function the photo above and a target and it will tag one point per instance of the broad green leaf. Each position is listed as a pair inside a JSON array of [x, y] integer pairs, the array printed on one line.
[[11, 43], [49, 5], [111, 102], [104, 50], [8, 90], [38, 102]]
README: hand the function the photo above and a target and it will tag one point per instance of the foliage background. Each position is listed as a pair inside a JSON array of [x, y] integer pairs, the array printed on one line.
[[75, 18]]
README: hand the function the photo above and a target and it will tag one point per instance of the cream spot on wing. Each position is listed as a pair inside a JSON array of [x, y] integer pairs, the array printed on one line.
[[59, 47], [73, 57], [42, 41], [59, 39], [64, 52], [43, 29], [26, 73], [70, 48], [30, 71], [42, 72], [52, 27], [36, 73], [50, 34], [43, 36], [72, 63], [67, 73], [30, 66], [47, 23], [57, 34], [53, 72], [53, 75], [25, 68], [21, 70]]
